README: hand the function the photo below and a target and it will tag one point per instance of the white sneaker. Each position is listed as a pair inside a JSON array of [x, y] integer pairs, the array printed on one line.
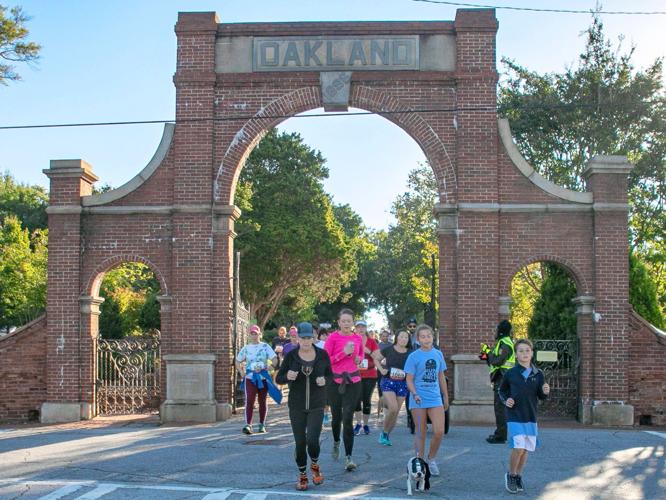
[[434, 469]]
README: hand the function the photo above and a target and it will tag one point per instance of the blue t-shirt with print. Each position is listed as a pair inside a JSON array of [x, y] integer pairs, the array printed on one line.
[[426, 367]]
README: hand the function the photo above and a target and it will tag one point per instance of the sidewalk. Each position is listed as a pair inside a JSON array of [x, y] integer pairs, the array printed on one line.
[[116, 459]]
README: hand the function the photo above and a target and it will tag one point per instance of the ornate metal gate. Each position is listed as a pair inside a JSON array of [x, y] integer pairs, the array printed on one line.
[[241, 323], [128, 375], [562, 376]]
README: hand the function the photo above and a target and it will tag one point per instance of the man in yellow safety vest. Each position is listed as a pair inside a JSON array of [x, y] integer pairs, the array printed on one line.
[[500, 358]]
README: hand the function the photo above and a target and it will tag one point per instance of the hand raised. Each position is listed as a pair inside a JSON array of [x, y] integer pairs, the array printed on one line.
[[321, 381], [291, 375], [510, 402]]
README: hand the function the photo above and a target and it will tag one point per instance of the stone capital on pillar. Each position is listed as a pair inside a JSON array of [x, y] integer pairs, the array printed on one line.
[[90, 305], [584, 304], [165, 303], [504, 305], [70, 179], [447, 218], [224, 218], [607, 178]]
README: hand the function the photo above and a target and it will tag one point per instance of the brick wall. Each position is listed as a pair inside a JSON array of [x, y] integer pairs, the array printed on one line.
[[647, 372], [23, 371]]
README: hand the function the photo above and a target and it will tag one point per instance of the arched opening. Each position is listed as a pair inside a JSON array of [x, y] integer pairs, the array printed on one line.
[[543, 311], [127, 361]]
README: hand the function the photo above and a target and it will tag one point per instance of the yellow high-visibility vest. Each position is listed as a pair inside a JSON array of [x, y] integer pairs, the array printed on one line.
[[508, 362]]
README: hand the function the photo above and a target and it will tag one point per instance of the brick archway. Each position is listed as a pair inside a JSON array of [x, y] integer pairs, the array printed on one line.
[[97, 276], [308, 98], [578, 277], [435, 80]]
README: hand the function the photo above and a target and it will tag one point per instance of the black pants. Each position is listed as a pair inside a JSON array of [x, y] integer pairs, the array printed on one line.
[[365, 398], [306, 426], [342, 412], [500, 411]]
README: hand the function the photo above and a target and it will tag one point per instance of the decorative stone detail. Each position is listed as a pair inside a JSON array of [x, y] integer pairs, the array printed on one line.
[[584, 304], [71, 168], [90, 305], [504, 305], [607, 165], [224, 217], [335, 87], [473, 393], [165, 303], [447, 216], [190, 391]]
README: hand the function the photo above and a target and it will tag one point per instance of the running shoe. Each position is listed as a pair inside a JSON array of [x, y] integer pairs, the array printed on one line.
[[349, 464], [384, 439], [357, 429], [317, 476], [510, 483], [336, 450], [247, 429], [366, 429], [434, 468], [302, 483], [262, 429], [519, 483]]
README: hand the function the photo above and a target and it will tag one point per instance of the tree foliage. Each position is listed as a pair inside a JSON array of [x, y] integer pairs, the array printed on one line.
[[601, 106], [554, 314], [27, 203], [292, 247], [23, 258], [643, 292], [401, 275], [130, 304], [525, 291], [14, 46]]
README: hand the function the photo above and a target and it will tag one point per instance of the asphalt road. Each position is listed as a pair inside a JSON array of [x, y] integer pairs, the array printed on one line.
[[114, 459]]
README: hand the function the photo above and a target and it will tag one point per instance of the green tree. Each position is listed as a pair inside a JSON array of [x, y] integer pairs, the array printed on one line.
[[643, 292], [554, 314], [27, 203], [292, 247], [602, 105], [23, 260], [400, 275], [130, 304], [525, 291], [14, 46]]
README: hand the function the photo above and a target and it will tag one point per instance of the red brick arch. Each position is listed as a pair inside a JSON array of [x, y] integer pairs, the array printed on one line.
[[308, 98], [582, 287], [95, 279]]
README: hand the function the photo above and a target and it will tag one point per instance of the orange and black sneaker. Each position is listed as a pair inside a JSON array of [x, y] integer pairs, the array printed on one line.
[[317, 476], [302, 483]]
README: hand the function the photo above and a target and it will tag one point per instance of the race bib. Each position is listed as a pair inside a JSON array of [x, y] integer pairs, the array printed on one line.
[[397, 374]]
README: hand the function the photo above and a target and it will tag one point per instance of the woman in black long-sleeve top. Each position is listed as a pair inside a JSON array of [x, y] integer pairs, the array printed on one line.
[[306, 369]]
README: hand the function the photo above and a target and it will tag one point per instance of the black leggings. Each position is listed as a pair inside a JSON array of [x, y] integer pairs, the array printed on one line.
[[366, 395], [306, 426], [342, 412]]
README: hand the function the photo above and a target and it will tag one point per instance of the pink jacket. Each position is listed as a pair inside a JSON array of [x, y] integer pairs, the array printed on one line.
[[340, 362]]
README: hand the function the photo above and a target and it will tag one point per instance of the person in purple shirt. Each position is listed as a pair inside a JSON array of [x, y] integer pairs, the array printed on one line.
[[293, 344]]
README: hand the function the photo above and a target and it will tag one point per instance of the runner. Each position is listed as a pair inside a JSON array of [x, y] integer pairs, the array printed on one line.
[[393, 383], [252, 364], [345, 349], [306, 370], [425, 369]]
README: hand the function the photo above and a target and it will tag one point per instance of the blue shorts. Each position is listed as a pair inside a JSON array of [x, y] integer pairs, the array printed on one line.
[[397, 386]]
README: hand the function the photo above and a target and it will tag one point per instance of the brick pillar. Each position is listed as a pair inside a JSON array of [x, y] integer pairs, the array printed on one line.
[[447, 218], [585, 328], [606, 177], [223, 256], [165, 337], [477, 176], [89, 307], [67, 346]]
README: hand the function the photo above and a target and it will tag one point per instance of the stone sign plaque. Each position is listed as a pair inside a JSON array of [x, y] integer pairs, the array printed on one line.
[[335, 53]]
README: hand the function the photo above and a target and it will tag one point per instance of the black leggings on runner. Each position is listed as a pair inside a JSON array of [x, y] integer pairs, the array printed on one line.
[[342, 412], [366, 395], [306, 426]]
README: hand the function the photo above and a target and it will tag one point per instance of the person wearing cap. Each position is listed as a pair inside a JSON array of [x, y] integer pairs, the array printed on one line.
[[368, 378], [500, 359], [306, 369], [293, 341], [252, 364]]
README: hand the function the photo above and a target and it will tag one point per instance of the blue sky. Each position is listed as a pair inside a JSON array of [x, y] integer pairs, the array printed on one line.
[[114, 61]]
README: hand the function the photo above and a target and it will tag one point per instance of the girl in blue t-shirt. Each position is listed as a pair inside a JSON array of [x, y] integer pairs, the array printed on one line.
[[425, 369]]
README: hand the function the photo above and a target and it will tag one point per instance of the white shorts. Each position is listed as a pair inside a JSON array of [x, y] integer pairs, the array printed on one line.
[[524, 442]]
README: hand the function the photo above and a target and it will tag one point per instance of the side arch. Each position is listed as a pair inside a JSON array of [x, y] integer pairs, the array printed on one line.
[[307, 98], [95, 279], [582, 287]]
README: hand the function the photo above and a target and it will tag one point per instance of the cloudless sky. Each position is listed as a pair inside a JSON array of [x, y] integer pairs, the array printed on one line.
[[114, 61]]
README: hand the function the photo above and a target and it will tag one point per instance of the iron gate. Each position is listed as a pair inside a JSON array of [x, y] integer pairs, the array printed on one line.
[[241, 323], [128, 375], [561, 375]]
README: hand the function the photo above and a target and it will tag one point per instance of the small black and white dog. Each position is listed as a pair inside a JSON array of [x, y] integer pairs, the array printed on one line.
[[418, 472]]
